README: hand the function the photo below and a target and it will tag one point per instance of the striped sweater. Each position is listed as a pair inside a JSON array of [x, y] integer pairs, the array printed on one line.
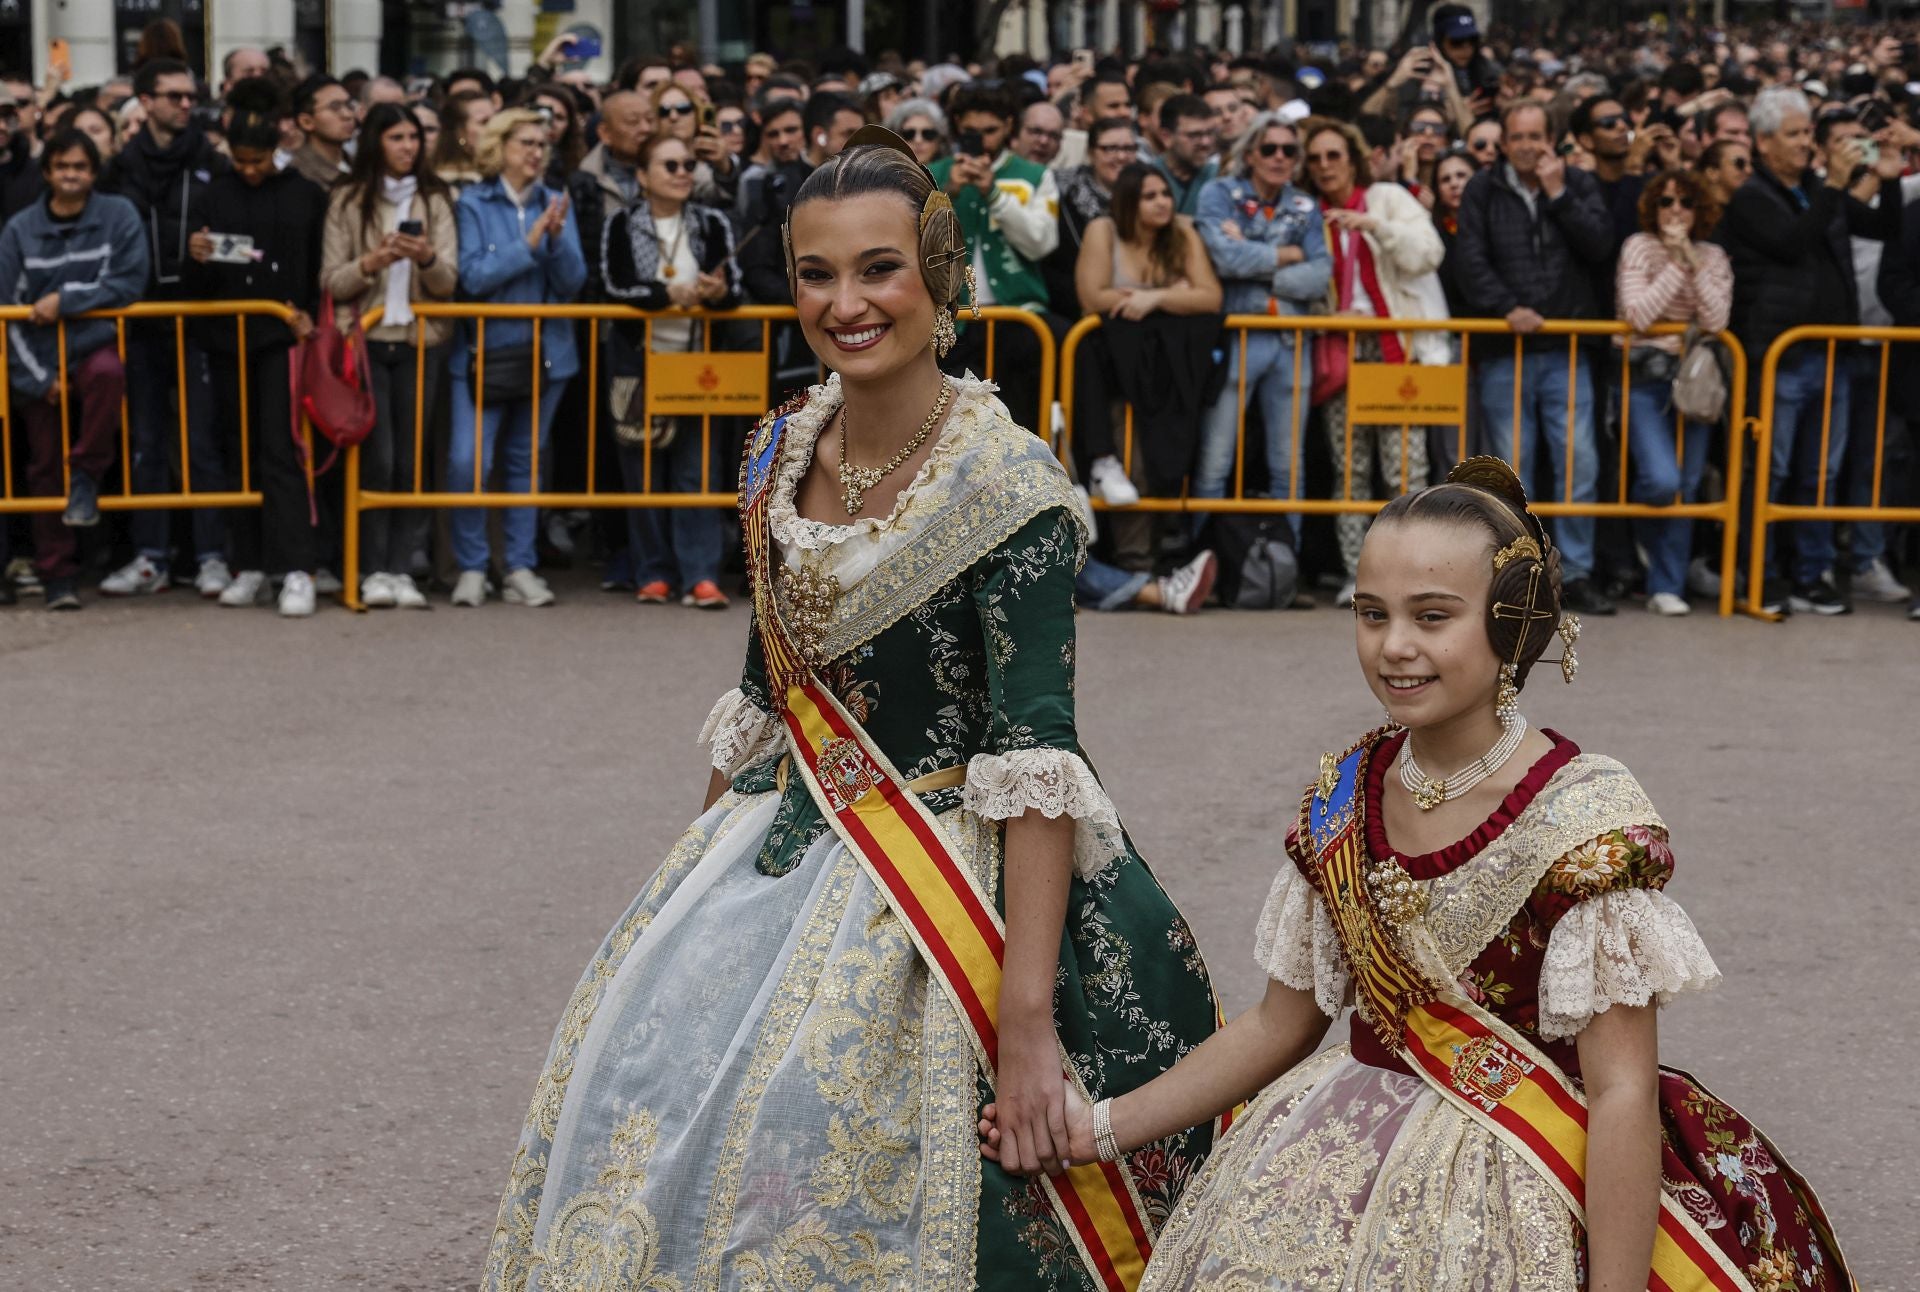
[[1652, 287]]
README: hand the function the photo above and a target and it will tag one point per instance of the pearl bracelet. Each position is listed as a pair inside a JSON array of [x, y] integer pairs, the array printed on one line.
[[1104, 1145]]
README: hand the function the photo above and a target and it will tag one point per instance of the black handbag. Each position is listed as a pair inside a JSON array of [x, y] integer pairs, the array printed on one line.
[[508, 374]]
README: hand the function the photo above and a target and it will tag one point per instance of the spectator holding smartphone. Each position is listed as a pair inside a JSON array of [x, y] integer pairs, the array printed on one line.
[[392, 241], [518, 245]]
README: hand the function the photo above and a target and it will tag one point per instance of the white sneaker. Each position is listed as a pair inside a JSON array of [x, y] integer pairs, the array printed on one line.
[[1345, 600], [326, 583], [1876, 583], [470, 589], [244, 590], [1703, 580], [297, 595], [1665, 603], [405, 594], [376, 592], [1185, 590], [213, 578], [525, 588], [559, 537], [137, 577], [1111, 484]]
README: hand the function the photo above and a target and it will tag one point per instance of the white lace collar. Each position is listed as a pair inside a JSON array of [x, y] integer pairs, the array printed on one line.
[[791, 530]]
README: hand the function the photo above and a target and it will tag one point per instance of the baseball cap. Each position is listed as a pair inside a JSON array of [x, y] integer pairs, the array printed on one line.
[[1310, 78], [878, 81], [1457, 26]]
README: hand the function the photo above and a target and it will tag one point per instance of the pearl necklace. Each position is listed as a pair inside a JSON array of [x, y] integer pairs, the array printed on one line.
[[1429, 793], [855, 481]]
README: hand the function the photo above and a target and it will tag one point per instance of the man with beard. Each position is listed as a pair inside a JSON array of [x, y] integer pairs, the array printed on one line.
[[156, 171]]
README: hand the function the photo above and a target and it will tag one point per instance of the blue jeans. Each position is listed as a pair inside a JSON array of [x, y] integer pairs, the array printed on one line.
[[1107, 587], [1543, 415], [677, 546], [1660, 478], [1870, 536], [153, 426], [1799, 408], [1270, 382], [506, 443]]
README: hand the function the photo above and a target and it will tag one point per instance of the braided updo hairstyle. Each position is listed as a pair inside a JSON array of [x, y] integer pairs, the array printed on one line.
[[876, 160], [1483, 493]]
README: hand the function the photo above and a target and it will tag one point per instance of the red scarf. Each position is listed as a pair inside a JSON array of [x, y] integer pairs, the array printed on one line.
[[1352, 259]]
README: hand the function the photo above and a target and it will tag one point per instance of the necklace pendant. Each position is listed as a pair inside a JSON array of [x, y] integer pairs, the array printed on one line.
[[1430, 795], [667, 271]]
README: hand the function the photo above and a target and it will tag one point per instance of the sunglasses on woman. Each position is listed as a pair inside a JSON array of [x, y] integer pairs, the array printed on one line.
[[1429, 127], [677, 109], [920, 135], [1290, 151], [674, 166], [1667, 202]]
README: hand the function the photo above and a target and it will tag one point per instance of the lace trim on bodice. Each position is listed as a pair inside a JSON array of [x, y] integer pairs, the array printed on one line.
[[1296, 944], [741, 733], [971, 398], [1057, 783], [1631, 946]]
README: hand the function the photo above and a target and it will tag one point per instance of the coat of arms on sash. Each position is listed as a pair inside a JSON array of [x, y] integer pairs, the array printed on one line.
[[845, 774], [1487, 1070]]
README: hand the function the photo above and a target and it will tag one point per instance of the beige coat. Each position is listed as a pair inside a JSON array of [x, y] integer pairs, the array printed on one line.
[[354, 291], [1407, 252]]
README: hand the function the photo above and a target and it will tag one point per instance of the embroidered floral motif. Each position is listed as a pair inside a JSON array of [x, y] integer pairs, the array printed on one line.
[[606, 1237], [810, 1257]]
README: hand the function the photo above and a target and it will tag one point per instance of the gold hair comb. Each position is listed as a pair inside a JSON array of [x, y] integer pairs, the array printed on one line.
[[1519, 547]]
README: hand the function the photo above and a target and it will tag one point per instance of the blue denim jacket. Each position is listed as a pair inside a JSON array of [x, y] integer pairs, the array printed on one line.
[[498, 268], [1245, 264]]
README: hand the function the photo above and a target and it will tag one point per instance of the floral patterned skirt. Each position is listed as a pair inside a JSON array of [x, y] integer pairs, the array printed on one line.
[[1345, 1176], [754, 1087]]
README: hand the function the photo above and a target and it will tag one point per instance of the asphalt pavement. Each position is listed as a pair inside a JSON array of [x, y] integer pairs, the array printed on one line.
[[291, 908]]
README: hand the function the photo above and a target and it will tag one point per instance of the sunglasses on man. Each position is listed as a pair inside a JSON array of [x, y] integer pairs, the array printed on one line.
[[920, 135], [1290, 151]]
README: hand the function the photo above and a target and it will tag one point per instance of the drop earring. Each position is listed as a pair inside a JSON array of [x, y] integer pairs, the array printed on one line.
[[944, 334], [1506, 701]]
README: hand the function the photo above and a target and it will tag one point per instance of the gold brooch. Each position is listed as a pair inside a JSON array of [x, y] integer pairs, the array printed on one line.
[[1329, 777], [1395, 895], [810, 597]]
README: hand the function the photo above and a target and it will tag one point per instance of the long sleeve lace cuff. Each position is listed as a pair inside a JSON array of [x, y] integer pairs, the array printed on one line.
[[1295, 941], [1627, 947], [740, 732], [1058, 783]]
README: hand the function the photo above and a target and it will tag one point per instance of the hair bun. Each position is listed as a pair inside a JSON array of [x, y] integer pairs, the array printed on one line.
[[1496, 476]]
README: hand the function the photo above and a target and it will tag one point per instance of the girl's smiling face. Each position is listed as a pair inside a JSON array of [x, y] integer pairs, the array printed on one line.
[[1420, 620]]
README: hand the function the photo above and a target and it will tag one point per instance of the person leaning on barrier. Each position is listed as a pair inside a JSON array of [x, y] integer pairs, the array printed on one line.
[[1086, 195], [1533, 231], [73, 251], [1669, 273], [278, 214], [518, 246], [1787, 235], [1386, 254], [392, 241], [1265, 239], [666, 252]]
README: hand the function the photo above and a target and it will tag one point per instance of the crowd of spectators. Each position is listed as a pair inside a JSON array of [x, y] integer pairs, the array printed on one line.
[[1752, 180]]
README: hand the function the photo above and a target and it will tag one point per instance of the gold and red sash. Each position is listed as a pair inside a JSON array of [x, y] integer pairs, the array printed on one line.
[[957, 931]]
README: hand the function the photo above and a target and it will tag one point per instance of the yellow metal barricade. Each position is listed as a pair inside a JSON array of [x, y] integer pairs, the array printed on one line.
[[1766, 510], [703, 383], [14, 500], [1436, 396]]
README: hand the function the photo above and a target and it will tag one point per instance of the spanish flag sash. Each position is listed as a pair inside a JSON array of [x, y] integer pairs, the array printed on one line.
[[1478, 1064], [904, 851]]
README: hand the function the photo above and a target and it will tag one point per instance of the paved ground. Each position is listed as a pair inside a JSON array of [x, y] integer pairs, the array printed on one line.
[[291, 908]]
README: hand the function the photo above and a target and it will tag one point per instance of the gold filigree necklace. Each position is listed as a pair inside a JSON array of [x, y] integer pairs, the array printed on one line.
[[856, 481]]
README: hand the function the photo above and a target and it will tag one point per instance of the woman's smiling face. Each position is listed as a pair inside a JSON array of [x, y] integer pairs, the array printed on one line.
[[862, 301]]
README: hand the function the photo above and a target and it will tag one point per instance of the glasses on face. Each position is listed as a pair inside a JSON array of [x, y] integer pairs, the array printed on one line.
[[1429, 127], [730, 125], [1117, 150], [1327, 158], [674, 166], [1483, 145], [920, 135], [1206, 136], [1669, 201], [331, 105], [1043, 134], [185, 97], [676, 109], [1290, 151]]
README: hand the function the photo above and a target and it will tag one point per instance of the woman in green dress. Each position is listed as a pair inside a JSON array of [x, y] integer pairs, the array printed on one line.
[[759, 1083]]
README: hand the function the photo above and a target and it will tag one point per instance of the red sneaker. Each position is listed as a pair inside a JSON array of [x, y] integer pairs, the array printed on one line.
[[706, 595], [656, 593]]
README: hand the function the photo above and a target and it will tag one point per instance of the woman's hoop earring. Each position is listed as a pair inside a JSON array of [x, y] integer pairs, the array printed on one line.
[[944, 334]]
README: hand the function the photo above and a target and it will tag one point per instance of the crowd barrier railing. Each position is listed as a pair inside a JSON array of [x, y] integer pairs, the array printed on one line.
[[1413, 397], [704, 383], [1768, 511], [14, 500]]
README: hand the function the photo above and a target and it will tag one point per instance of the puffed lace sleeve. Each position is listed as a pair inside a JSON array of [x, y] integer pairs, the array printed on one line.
[[1620, 940], [741, 729], [1295, 942], [1023, 591]]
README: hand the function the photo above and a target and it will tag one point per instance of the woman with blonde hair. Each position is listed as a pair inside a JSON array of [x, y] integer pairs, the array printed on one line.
[[518, 246], [1386, 254]]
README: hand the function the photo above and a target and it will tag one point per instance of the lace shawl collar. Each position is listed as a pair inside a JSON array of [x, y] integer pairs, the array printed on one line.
[[984, 479]]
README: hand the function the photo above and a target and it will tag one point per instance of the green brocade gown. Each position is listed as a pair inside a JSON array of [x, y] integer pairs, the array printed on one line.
[[754, 1085]]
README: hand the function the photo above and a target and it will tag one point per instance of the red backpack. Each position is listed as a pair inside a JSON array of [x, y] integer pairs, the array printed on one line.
[[332, 384]]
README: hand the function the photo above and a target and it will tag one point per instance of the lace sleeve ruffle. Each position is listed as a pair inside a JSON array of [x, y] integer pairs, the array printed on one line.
[[741, 733], [1625, 947], [1295, 942], [1058, 783]]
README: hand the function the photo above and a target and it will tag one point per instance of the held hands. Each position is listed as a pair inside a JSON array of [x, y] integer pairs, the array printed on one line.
[[710, 288], [1137, 302], [410, 246], [1031, 1105], [381, 257], [684, 294], [1080, 1145], [550, 222]]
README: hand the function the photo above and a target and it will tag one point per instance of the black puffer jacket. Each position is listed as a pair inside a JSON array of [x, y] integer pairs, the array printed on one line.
[[286, 216], [160, 182], [1544, 259], [1792, 260]]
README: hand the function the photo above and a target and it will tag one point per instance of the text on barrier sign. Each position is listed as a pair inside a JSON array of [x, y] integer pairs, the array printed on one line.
[[697, 384], [1400, 394]]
